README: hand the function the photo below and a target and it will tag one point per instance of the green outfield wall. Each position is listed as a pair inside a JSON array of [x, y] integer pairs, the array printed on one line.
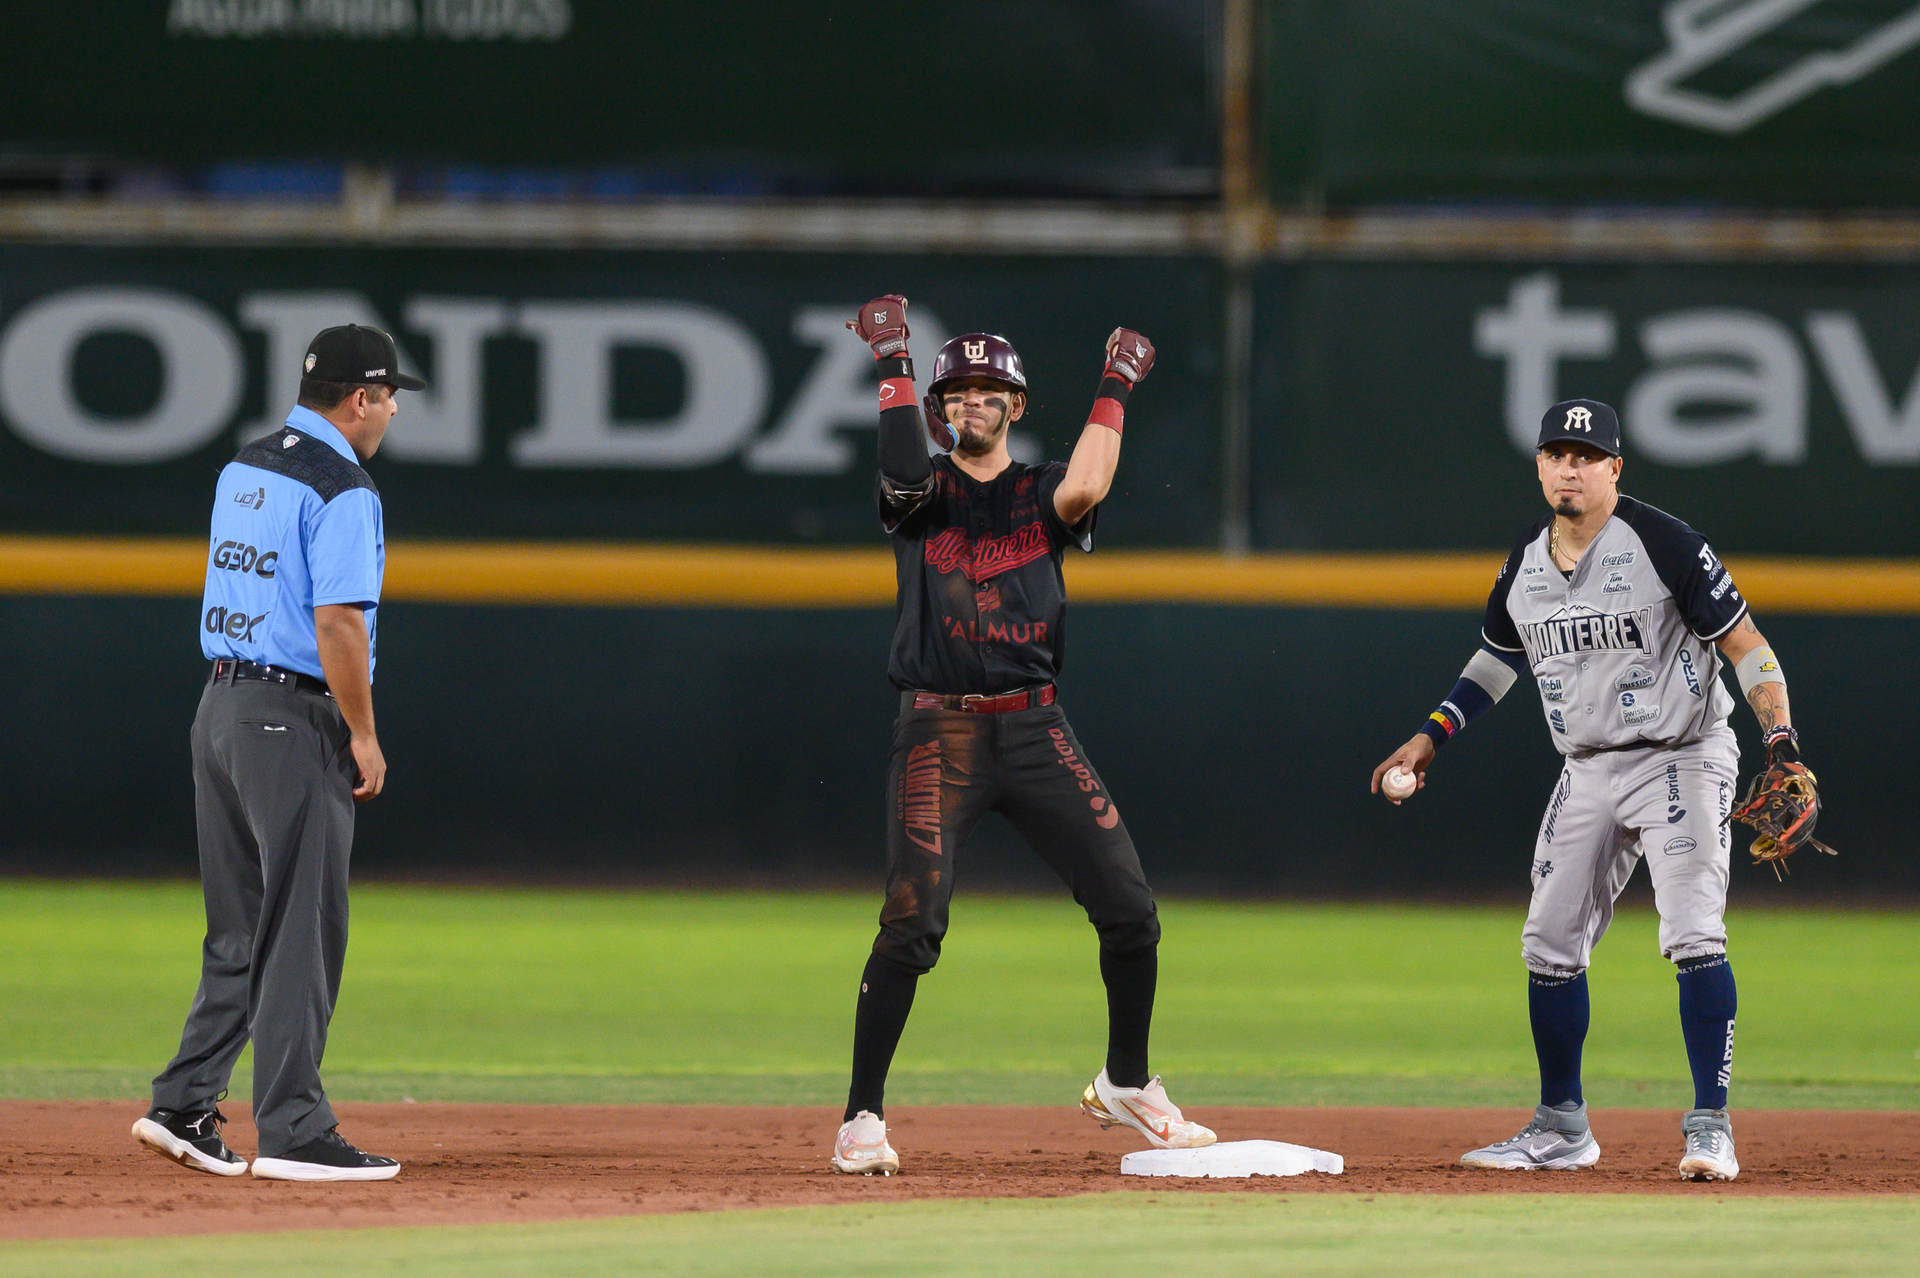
[[744, 93], [732, 745], [717, 397], [1603, 101], [1775, 407]]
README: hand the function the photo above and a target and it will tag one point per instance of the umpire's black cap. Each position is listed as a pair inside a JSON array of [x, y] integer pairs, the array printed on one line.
[[356, 353], [1586, 420]]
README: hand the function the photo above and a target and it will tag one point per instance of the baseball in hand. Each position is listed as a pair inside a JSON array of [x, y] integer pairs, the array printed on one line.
[[1397, 785]]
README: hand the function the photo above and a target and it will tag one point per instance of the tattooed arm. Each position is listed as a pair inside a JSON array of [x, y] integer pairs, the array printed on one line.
[[1768, 699]]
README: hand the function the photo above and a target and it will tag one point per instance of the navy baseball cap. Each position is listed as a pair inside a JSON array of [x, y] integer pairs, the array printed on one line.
[[356, 353], [1587, 421]]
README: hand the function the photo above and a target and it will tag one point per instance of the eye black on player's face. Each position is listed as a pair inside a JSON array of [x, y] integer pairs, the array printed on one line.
[[1577, 477], [981, 409]]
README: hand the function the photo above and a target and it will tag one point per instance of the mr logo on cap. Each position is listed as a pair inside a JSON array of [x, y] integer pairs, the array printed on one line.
[[1586, 421], [356, 353]]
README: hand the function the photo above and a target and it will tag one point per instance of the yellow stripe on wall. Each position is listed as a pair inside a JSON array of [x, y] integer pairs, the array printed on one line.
[[776, 577]]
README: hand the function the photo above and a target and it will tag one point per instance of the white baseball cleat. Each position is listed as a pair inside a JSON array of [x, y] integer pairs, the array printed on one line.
[[1145, 1109], [1709, 1155], [861, 1148], [1554, 1141]]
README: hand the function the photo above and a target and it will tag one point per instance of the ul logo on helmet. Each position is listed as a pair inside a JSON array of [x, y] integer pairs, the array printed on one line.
[[1580, 419], [976, 351]]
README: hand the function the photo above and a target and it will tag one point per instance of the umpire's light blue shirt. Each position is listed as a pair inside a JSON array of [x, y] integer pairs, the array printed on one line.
[[278, 551]]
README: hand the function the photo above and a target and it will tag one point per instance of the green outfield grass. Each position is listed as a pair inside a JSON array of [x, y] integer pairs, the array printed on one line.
[[678, 997], [1165, 1235]]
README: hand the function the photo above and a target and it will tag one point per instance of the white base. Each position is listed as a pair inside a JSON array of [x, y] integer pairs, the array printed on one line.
[[1239, 1158]]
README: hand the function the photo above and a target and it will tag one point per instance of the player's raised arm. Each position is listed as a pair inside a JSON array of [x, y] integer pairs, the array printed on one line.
[[1097, 455], [906, 474]]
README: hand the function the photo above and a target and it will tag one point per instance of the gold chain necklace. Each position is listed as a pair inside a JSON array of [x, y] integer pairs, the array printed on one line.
[[1553, 542]]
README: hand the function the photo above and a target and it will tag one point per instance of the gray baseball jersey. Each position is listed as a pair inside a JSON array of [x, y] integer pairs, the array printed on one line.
[[1623, 647]]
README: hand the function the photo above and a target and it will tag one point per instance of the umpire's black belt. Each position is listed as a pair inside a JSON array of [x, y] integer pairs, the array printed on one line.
[[1005, 703], [227, 670]]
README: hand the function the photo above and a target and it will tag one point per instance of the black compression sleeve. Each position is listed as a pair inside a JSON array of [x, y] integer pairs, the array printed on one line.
[[903, 443]]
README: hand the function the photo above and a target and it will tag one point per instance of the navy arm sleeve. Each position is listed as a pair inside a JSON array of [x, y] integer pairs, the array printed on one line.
[[1702, 587]]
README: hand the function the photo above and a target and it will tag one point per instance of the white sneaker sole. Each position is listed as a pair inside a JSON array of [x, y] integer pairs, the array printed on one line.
[[158, 1138], [287, 1169], [1701, 1169], [883, 1165], [1520, 1162], [1093, 1107]]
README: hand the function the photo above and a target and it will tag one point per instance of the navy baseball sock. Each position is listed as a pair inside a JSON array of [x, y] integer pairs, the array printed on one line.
[[886, 996], [1130, 980], [1707, 1006], [1558, 1008]]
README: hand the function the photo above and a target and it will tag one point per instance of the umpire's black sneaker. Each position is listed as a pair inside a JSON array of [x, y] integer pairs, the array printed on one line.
[[326, 1157], [191, 1139]]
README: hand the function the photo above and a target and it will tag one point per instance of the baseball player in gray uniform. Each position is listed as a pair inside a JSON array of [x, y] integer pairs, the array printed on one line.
[[1622, 616]]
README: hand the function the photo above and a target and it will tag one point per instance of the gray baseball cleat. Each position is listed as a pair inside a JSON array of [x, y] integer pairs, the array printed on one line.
[[1709, 1155], [1556, 1140]]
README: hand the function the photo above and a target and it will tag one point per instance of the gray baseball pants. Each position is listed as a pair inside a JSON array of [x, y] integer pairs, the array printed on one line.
[[273, 787], [1664, 805]]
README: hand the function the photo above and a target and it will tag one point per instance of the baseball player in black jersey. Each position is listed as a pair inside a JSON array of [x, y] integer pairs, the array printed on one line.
[[977, 540], [1624, 617]]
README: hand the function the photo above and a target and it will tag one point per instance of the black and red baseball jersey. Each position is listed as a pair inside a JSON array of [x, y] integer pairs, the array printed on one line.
[[982, 601]]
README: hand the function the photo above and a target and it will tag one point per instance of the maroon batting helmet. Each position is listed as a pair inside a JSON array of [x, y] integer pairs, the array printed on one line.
[[969, 355]]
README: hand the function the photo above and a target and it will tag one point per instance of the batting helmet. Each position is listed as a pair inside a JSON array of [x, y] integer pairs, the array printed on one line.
[[969, 355]]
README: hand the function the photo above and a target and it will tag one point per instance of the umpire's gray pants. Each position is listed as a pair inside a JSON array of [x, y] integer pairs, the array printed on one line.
[[273, 787]]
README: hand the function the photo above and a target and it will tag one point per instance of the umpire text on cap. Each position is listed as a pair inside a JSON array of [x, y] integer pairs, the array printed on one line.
[[1587, 420], [355, 353]]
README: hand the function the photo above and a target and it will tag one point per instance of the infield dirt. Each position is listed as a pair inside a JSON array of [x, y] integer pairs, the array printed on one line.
[[72, 1170]]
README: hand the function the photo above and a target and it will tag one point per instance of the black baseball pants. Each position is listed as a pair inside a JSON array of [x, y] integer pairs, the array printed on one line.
[[949, 767], [273, 785]]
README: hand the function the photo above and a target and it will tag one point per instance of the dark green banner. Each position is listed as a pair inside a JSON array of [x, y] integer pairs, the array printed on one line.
[[1781, 102], [575, 394], [906, 94], [1774, 407]]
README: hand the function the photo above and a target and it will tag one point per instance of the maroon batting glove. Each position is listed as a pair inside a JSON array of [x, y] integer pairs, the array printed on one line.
[[1129, 356], [882, 325]]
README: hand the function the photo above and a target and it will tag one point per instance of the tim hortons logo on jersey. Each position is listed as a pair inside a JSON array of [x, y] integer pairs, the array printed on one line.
[[1617, 584], [920, 796], [1578, 628], [988, 557]]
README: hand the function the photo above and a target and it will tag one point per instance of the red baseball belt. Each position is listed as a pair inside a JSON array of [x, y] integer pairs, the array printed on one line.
[[1005, 703]]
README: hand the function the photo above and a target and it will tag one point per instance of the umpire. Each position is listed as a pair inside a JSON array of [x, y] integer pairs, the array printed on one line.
[[283, 745]]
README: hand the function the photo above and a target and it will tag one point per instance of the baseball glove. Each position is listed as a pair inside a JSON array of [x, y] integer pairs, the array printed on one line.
[[1780, 807]]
